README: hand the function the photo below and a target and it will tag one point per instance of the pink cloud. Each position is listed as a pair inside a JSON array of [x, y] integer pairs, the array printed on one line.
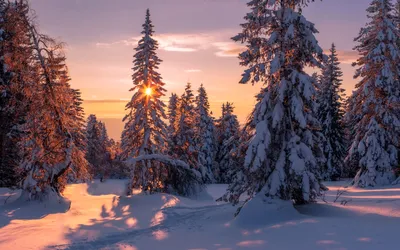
[[193, 70], [228, 49], [250, 243], [169, 42], [345, 56], [187, 43]]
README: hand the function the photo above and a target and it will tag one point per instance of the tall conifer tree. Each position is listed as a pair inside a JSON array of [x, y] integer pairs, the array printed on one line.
[[185, 130], [53, 152], [205, 130], [330, 114], [145, 131], [376, 99], [282, 159], [16, 51], [173, 118], [228, 133]]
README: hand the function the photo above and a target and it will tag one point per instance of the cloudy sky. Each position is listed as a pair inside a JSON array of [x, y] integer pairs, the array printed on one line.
[[195, 45]]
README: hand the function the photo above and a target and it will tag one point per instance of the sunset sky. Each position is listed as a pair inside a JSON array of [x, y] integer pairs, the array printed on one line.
[[195, 45]]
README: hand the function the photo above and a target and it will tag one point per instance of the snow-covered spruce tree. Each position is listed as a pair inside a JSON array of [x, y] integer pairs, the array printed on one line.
[[7, 146], [236, 174], [76, 125], [186, 148], [350, 119], [106, 144], [172, 118], [330, 114], [377, 139], [204, 134], [228, 140], [92, 139], [15, 50], [97, 153], [50, 150], [282, 157], [316, 81], [76, 110], [145, 133], [219, 131], [119, 170]]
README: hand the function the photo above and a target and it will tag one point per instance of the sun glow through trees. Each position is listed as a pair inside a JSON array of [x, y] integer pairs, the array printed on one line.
[[148, 91]]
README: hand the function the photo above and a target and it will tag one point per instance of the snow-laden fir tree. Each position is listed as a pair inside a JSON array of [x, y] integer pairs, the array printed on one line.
[[172, 118], [145, 133], [227, 141], [106, 144], [236, 174], [350, 119], [41, 99], [376, 99], [8, 151], [51, 153], [15, 58], [186, 148], [316, 81], [282, 157], [330, 114], [76, 110], [97, 151], [119, 170], [204, 133], [76, 124]]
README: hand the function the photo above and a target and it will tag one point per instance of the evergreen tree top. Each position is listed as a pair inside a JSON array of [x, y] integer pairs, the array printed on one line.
[[331, 73], [146, 61], [173, 98], [145, 130], [378, 47], [188, 95], [202, 101], [148, 25], [229, 108], [273, 25], [173, 105]]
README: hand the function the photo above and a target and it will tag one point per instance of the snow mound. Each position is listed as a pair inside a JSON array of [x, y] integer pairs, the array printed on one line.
[[217, 190], [326, 210], [22, 209], [202, 195], [260, 212]]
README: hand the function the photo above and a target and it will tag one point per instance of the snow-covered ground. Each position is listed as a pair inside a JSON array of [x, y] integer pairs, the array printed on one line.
[[99, 219]]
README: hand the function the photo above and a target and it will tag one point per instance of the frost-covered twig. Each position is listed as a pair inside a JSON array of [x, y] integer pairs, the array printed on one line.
[[323, 197], [344, 202], [7, 199], [339, 193]]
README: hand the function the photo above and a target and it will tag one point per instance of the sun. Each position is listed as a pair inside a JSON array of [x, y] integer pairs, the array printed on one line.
[[148, 91]]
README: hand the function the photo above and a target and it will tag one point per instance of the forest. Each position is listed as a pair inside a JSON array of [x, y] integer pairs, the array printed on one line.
[[306, 149]]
